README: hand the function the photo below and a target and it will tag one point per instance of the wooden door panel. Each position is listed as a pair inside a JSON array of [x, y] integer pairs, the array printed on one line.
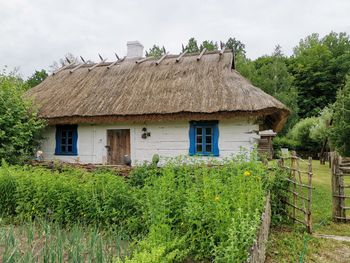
[[118, 145]]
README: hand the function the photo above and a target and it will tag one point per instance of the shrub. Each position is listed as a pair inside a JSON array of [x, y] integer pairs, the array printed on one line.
[[19, 126], [284, 142]]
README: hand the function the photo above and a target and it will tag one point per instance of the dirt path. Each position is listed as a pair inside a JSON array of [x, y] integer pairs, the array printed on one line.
[[339, 252]]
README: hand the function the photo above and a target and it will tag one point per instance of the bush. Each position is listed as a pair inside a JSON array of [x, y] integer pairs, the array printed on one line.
[[284, 142], [19, 126]]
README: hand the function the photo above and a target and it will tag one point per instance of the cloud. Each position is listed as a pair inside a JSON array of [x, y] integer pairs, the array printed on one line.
[[35, 33]]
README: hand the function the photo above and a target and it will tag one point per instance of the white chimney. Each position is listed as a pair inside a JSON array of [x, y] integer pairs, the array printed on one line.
[[135, 49]]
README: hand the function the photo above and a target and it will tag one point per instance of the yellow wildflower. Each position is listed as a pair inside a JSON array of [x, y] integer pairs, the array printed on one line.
[[247, 173], [217, 198]]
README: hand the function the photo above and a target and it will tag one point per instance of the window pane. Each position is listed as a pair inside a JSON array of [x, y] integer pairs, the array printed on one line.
[[208, 139], [63, 141], [70, 148], [208, 148], [63, 148], [208, 131], [70, 140], [199, 138], [199, 148], [199, 131], [70, 134]]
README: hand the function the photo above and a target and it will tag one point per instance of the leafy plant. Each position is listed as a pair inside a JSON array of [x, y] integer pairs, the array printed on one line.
[[19, 126]]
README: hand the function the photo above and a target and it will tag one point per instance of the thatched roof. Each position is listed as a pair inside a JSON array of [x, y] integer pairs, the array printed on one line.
[[129, 91]]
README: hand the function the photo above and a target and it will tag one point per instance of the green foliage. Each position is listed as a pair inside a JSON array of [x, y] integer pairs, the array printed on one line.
[[209, 45], [340, 129], [320, 131], [155, 52], [48, 242], [19, 126], [319, 66], [284, 142], [192, 46], [209, 207], [184, 210], [237, 46], [37, 78], [301, 133], [270, 73], [71, 196]]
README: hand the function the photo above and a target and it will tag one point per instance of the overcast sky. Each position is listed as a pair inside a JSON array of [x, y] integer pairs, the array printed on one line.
[[34, 33]]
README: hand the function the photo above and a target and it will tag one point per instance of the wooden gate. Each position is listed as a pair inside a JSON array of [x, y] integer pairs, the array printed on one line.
[[299, 188], [340, 187], [118, 146]]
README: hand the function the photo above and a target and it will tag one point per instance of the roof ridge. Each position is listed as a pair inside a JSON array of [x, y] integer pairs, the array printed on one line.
[[149, 59]]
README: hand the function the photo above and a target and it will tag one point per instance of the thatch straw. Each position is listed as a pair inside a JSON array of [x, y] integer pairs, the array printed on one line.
[[130, 91]]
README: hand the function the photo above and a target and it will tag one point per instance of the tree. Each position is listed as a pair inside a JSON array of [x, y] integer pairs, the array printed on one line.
[[340, 129], [270, 73], [237, 46], [319, 66], [19, 126], [192, 46], [209, 45], [155, 52], [37, 78]]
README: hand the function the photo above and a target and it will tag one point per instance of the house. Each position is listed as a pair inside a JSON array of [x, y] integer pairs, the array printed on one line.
[[188, 104]]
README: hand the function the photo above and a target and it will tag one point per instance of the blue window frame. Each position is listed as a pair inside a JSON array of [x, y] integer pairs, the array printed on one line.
[[204, 138], [66, 140]]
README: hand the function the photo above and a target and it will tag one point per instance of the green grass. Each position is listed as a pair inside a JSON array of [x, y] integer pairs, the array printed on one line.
[[292, 244]]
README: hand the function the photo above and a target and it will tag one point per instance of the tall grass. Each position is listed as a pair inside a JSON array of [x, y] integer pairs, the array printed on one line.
[[47, 242]]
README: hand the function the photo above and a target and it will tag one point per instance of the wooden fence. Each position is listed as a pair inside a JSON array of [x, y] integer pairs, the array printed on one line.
[[257, 253], [340, 185], [299, 188]]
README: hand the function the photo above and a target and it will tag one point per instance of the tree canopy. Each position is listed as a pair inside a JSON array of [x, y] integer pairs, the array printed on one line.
[[340, 129], [37, 78], [155, 52]]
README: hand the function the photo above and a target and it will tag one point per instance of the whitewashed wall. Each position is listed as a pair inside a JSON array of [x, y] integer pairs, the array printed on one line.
[[168, 139]]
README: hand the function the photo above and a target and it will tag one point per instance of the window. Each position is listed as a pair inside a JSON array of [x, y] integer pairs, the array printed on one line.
[[66, 140], [204, 138]]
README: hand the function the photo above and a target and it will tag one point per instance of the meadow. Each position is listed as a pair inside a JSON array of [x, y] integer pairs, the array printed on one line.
[[181, 212]]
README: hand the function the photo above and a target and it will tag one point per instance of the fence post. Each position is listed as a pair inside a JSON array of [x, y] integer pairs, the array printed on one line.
[[336, 211], [293, 172], [309, 219]]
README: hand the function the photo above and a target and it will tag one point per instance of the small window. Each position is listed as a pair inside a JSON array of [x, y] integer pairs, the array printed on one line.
[[204, 138], [66, 140]]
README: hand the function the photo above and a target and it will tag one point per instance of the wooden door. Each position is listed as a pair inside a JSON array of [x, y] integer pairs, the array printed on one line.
[[118, 145]]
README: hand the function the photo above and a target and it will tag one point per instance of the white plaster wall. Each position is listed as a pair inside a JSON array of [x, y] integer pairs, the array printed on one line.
[[167, 139]]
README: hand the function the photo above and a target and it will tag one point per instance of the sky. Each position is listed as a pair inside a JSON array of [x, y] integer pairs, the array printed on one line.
[[35, 33]]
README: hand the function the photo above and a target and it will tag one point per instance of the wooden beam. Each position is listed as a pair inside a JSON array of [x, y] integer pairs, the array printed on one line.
[[64, 67], [181, 55], [97, 64], [201, 54], [115, 62], [143, 60], [79, 66], [161, 59]]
